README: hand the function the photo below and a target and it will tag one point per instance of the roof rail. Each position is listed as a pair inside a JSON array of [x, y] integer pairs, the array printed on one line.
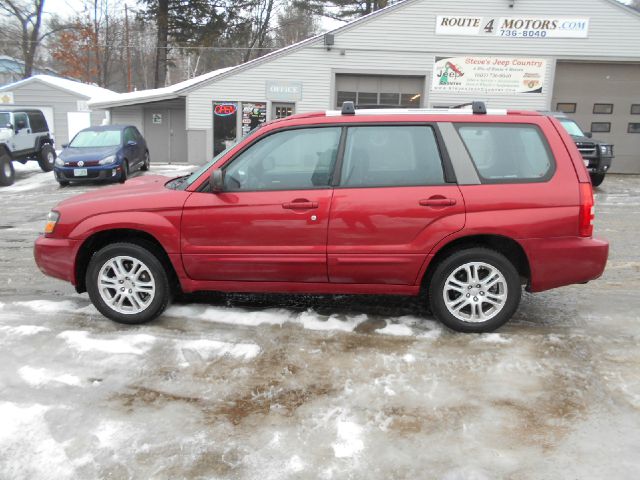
[[348, 108], [476, 107]]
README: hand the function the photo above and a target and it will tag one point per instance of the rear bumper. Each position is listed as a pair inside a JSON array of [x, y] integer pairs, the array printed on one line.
[[55, 257], [556, 262], [66, 174]]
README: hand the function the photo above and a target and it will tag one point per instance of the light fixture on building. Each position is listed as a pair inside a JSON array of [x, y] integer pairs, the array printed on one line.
[[328, 40], [511, 3]]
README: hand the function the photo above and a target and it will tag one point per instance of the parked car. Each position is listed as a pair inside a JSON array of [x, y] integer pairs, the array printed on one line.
[[597, 155], [24, 136], [108, 152], [464, 207]]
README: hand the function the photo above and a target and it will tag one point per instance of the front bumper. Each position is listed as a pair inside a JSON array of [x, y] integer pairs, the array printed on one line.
[[597, 164], [107, 172], [55, 257], [556, 262]]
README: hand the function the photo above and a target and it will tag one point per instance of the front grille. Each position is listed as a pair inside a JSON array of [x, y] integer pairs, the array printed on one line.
[[587, 150]]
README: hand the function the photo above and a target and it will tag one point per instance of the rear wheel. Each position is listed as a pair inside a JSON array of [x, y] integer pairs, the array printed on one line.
[[146, 163], [127, 283], [46, 158], [475, 290], [597, 179], [7, 172]]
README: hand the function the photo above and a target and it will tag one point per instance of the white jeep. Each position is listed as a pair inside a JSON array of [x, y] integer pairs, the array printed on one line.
[[24, 136]]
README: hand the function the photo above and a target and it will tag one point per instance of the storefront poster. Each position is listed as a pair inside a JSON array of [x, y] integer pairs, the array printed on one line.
[[513, 27], [491, 75], [253, 114]]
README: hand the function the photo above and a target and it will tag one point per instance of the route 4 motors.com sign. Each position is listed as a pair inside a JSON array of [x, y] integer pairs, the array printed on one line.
[[513, 27], [492, 75]]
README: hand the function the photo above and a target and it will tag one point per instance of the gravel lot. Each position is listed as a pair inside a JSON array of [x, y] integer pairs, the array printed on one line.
[[280, 387]]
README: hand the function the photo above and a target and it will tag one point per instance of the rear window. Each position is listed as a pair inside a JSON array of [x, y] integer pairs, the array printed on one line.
[[504, 153]]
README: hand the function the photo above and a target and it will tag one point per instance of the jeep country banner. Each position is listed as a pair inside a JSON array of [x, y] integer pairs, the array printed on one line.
[[513, 27], [488, 74]]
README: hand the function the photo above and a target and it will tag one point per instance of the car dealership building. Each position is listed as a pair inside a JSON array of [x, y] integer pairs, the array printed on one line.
[[581, 57]]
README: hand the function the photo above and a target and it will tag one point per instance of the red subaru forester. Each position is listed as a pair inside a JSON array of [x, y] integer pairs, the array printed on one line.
[[463, 205]]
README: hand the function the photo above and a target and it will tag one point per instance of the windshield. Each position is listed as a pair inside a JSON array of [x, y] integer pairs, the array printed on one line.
[[194, 176], [4, 119], [100, 138], [571, 127]]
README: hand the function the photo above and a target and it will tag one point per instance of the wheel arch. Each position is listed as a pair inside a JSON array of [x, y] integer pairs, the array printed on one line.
[[507, 246], [98, 240]]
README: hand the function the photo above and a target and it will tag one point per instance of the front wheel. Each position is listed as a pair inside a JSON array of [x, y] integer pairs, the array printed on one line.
[[127, 283], [146, 163], [475, 290], [125, 172], [7, 172], [46, 158], [597, 179]]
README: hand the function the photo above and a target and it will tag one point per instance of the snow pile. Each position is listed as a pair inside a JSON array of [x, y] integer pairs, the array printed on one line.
[[123, 344], [37, 377], [349, 442], [23, 330]]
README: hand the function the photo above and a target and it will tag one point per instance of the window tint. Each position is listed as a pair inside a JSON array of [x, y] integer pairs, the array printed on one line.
[[391, 156], [291, 160], [503, 153], [38, 122]]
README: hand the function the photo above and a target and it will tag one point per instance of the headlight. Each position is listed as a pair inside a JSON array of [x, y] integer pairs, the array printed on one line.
[[606, 149], [52, 220], [108, 160], [59, 162]]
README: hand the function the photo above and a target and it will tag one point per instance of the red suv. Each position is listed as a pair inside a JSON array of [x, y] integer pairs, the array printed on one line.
[[464, 206]]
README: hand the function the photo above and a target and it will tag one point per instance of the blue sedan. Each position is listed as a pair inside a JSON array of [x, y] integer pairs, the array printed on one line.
[[108, 152]]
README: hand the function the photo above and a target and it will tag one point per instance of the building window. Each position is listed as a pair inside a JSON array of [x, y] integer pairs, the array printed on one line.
[[601, 127], [603, 108], [346, 97], [410, 100], [379, 90], [633, 128], [635, 109], [367, 98], [566, 107]]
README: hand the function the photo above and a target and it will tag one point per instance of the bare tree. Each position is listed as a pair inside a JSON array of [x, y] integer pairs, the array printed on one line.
[[162, 44], [29, 16]]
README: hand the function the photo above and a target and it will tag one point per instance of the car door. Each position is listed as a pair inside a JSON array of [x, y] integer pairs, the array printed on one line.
[[392, 205], [131, 147], [23, 139], [270, 222]]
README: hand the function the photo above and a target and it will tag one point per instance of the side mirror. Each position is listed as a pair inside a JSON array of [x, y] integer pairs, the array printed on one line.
[[9, 125], [132, 143], [588, 134], [217, 181], [65, 145]]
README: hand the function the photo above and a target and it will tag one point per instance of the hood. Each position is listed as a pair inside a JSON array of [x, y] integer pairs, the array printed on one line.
[[583, 139], [71, 154], [120, 197]]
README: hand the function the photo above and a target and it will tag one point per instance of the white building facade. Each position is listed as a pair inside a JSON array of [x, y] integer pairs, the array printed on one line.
[[582, 57]]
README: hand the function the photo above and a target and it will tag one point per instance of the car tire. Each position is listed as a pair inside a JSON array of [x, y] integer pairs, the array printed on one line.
[[474, 290], [146, 163], [597, 179], [125, 172], [127, 283], [7, 172], [46, 158], [63, 183]]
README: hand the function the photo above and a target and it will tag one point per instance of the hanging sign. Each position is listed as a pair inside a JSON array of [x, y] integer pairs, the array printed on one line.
[[488, 74], [513, 27]]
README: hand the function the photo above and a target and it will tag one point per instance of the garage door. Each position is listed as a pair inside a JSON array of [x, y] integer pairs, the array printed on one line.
[[386, 90], [604, 98]]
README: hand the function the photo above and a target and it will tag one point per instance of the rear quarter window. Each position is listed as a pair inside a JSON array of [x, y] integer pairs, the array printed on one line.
[[508, 153], [37, 122]]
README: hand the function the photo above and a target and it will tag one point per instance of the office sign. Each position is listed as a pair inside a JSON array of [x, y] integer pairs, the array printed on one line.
[[513, 27], [485, 74], [283, 91]]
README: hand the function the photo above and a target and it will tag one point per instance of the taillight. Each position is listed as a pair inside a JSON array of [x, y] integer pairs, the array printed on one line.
[[586, 210]]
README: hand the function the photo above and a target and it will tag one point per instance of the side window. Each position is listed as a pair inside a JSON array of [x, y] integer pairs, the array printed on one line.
[[504, 153], [298, 159], [384, 156], [38, 122], [129, 135], [137, 134], [21, 121]]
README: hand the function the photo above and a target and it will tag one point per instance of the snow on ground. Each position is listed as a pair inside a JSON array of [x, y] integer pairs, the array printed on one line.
[[295, 387]]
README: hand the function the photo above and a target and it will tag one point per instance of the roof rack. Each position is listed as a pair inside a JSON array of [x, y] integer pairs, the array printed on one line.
[[477, 108]]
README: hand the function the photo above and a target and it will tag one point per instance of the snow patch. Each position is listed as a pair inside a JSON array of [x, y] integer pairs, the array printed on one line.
[[295, 464], [396, 329], [48, 306], [349, 441], [492, 338], [124, 344], [24, 330], [209, 349], [37, 377]]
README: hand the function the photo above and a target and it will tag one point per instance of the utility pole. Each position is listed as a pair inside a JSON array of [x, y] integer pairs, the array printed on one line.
[[127, 46]]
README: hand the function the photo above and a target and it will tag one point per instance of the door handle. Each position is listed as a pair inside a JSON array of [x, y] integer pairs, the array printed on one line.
[[437, 202], [302, 205]]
